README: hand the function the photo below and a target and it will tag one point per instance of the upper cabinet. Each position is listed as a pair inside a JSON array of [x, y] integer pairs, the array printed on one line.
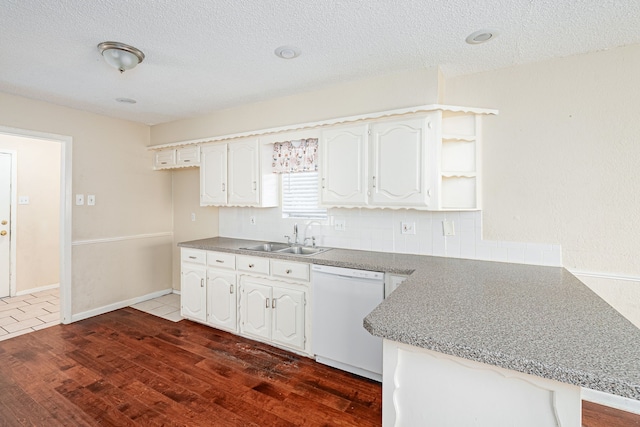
[[425, 161], [235, 174], [181, 157]]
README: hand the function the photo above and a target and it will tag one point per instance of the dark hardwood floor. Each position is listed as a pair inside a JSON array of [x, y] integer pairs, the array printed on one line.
[[128, 368]]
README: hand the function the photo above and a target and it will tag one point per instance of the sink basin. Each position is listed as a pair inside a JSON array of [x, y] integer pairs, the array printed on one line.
[[268, 247], [283, 248], [302, 250]]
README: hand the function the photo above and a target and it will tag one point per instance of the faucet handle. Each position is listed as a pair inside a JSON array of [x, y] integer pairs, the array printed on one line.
[[288, 240], [313, 241]]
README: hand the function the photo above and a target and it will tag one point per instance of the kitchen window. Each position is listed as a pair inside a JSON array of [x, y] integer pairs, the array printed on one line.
[[300, 196]]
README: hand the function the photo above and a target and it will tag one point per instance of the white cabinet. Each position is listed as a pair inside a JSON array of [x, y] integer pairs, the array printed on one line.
[[428, 160], [213, 174], [192, 287], [272, 311], [344, 165], [170, 158], [221, 299], [236, 174], [399, 162]]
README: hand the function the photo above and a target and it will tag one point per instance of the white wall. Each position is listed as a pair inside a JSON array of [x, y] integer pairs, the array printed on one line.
[[122, 246], [560, 161]]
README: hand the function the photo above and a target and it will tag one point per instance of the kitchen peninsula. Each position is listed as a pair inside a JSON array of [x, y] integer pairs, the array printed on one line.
[[538, 330]]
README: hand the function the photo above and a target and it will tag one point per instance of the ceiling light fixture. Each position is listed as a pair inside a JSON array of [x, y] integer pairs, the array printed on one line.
[[482, 36], [126, 100], [287, 52], [120, 55]]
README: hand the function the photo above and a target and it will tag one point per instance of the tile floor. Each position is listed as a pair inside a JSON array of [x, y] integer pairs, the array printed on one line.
[[32, 312], [166, 306], [28, 313]]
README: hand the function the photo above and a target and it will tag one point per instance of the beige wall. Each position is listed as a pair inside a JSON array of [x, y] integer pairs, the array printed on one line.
[[37, 224], [186, 201], [111, 161], [560, 161], [387, 92]]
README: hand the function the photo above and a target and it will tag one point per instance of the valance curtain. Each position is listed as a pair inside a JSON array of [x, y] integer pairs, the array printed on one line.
[[295, 156]]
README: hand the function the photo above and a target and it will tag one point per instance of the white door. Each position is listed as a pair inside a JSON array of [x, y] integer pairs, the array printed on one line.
[[5, 224], [213, 175], [244, 167], [193, 293], [221, 299], [399, 172], [343, 165], [288, 317], [255, 305]]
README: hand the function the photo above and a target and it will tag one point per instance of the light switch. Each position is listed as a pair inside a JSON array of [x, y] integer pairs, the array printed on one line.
[[340, 225], [193, 216], [79, 199], [91, 200]]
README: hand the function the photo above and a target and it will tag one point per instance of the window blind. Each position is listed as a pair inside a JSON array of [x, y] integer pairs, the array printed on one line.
[[300, 196]]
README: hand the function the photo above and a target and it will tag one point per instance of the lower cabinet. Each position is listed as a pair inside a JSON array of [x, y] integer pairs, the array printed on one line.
[[193, 301], [239, 294], [272, 311], [221, 300]]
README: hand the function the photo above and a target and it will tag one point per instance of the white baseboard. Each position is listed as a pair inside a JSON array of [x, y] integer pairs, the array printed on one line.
[[618, 402], [177, 292], [38, 289], [118, 305]]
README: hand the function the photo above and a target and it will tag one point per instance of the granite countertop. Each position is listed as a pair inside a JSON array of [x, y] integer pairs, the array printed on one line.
[[537, 320]]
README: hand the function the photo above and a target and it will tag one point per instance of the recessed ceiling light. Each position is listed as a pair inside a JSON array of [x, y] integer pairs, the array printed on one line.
[[126, 100], [482, 36], [287, 52]]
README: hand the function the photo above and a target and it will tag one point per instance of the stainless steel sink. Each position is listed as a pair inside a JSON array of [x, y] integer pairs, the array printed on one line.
[[268, 247], [283, 248], [302, 250]]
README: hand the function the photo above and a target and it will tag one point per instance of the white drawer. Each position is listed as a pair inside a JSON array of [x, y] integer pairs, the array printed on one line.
[[221, 260], [188, 155], [253, 264], [194, 256], [290, 270]]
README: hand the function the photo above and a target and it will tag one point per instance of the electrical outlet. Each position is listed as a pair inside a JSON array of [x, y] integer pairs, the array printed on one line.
[[23, 200], [252, 220], [340, 224], [91, 200], [193, 216], [408, 227], [448, 228], [79, 199]]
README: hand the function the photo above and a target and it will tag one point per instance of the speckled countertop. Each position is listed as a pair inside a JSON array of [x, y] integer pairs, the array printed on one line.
[[537, 320]]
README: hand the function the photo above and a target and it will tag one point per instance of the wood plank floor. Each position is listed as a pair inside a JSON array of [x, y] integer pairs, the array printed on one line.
[[129, 368]]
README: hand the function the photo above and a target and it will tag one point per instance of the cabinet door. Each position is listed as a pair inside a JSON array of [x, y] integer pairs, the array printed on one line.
[[213, 175], [193, 293], [343, 166], [221, 299], [244, 170], [164, 159], [255, 306], [288, 317], [399, 173], [188, 156]]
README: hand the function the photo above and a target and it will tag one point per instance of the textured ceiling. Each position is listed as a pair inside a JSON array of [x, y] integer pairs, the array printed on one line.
[[203, 55]]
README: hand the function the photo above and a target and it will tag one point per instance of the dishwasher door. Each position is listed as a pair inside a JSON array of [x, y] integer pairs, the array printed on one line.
[[342, 298]]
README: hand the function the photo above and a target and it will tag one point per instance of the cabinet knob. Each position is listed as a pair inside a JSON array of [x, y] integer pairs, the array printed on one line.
[[267, 303], [288, 271], [4, 222], [251, 265], [3, 233]]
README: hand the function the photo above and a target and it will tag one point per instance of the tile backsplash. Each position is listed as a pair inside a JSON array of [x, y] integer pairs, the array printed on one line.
[[381, 230]]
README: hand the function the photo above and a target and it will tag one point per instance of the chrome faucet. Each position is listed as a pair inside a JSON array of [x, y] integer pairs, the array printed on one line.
[[295, 236]]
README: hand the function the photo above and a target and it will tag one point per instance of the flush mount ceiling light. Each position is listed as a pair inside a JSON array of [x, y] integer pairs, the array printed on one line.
[[120, 55], [287, 52], [481, 36]]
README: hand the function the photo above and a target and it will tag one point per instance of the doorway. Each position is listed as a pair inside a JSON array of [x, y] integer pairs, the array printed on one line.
[[7, 183], [64, 242]]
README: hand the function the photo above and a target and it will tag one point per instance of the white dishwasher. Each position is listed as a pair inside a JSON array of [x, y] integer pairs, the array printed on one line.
[[342, 298]]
